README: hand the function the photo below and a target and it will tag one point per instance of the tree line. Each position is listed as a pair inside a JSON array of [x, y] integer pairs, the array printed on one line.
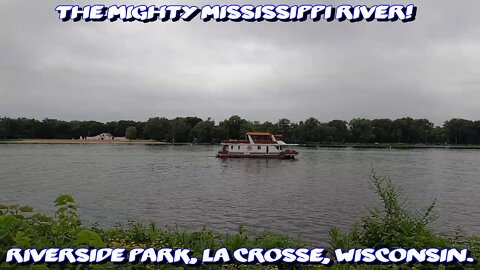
[[194, 129]]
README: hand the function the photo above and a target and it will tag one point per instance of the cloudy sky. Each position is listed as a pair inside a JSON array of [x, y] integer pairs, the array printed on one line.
[[428, 68]]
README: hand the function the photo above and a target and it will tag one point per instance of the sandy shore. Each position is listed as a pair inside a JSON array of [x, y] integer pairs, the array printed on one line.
[[66, 141]]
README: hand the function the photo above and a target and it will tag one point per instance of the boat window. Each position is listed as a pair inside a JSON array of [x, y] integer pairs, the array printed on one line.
[[259, 147], [231, 147], [278, 148], [239, 147]]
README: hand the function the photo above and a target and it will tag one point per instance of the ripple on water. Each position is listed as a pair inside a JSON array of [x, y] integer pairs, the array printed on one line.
[[187, 186]]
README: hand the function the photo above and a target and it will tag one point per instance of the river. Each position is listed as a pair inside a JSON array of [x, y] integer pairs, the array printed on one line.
[[187, 186]]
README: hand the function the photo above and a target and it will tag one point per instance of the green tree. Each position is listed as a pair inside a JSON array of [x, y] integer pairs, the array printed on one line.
[[438, 135], [95, 128], [362, 130], [219, 133], [408, 130], [236, 126], [460, 131], [203, 131], [476, 130], [192, 121], [157, 128], [131, 133], [179, 130], [382, 130], [307, 131], [4, 130], [340, 132], [422, 128], [285, 127], [118, 128]]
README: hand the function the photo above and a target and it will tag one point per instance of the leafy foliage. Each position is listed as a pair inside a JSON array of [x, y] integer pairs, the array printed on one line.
[[131, 133], [193, 129], [21, 227], [396, 226], [393, 225]]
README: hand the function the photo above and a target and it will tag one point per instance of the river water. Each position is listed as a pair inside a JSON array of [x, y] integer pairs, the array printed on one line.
[[187, 186]]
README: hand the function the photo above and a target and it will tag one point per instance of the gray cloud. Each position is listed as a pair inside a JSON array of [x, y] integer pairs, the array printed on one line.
[[262, 71]]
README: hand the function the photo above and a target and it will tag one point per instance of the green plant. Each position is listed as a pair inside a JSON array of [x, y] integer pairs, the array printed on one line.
[[394, 225]]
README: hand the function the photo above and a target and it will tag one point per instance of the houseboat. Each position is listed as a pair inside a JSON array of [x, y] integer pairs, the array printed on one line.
[[257, 145]]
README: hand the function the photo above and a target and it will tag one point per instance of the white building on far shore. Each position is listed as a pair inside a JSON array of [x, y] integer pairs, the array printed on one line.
[[104, 137]]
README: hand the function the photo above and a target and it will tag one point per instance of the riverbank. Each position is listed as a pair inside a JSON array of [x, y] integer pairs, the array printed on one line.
[[66, 141], [391, 226], [390, 146], [323, 145]]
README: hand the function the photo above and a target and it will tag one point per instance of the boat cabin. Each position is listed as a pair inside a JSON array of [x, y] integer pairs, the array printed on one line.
[[257, 144]]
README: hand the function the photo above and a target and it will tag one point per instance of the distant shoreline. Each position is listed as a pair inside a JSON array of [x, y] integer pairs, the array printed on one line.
[[67, 141], [390, 146], [320, 145]]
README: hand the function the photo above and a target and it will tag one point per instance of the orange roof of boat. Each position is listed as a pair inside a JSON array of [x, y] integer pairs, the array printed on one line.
[[258, 133]]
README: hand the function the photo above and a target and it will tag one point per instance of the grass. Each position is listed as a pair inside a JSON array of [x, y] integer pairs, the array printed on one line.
[[391, 225]]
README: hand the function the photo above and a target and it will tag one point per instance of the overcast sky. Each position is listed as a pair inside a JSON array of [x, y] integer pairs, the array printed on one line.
[[428, 68]]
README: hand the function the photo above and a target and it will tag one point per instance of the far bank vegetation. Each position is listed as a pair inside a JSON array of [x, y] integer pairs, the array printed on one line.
[[196, 130]]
